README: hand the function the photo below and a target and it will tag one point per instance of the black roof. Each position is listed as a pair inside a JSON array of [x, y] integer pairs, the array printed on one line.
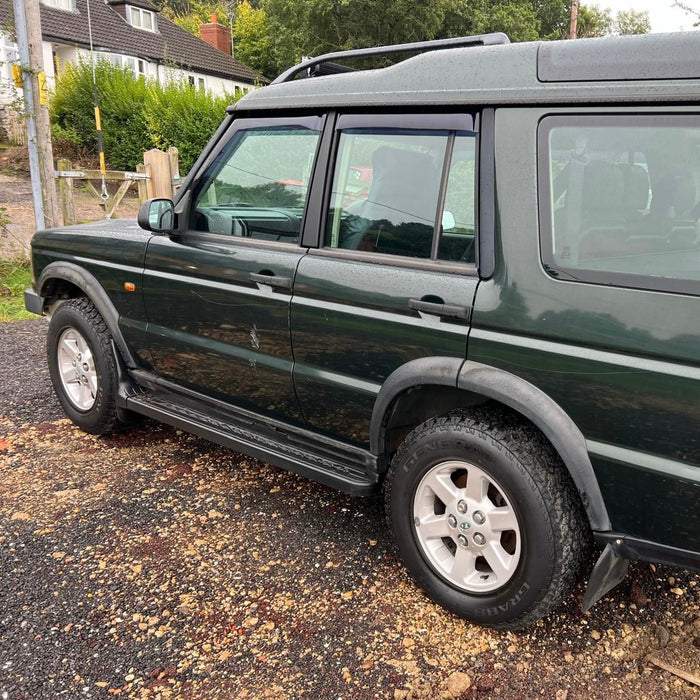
[[112, 33]]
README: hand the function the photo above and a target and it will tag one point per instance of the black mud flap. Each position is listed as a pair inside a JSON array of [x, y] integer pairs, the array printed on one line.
[[608, 571]]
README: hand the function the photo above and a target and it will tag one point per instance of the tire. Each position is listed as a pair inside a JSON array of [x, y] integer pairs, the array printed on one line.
[[82, 366], [486, 517]]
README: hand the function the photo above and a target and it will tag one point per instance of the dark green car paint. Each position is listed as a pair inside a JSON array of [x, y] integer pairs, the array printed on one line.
[[610, 374], [352, 327], [214, 329], [635, 382], [112, 253]]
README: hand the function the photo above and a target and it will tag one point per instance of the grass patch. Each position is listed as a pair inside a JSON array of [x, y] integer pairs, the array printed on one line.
[[15, 277]]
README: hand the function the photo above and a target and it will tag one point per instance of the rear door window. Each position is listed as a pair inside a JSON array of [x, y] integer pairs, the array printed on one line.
[[404, 192]]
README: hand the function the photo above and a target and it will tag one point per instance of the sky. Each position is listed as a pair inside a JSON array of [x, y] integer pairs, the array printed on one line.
[[664, 17]]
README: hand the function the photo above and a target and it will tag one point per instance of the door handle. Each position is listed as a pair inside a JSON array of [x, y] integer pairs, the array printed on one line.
[[272, 280], [438, 309]]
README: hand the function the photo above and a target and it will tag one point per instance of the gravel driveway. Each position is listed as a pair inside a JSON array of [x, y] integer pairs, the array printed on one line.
[[153, 564]]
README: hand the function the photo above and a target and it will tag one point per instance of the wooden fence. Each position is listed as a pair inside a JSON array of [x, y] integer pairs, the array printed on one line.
[[157, 176]]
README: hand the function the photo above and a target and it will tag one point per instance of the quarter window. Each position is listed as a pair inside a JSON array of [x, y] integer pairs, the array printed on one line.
[[404, 192], [257, 186], [622, 201]]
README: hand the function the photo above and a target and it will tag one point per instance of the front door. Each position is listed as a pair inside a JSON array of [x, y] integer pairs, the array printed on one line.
[[218, 294]]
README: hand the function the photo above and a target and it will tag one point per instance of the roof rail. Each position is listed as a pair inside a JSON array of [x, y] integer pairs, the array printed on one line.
[[416, 46]]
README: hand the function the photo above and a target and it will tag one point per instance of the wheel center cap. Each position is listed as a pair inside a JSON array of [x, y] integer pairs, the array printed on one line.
[[464, 525]]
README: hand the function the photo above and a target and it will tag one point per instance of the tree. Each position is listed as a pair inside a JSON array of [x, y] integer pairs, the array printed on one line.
[[190, 14], [592, 21], [689, 10], [252, 39], [632, 22], [517, 18], [312, 27]]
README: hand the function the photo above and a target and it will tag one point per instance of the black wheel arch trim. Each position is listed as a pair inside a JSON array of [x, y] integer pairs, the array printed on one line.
[[509, 390], [88, 283]]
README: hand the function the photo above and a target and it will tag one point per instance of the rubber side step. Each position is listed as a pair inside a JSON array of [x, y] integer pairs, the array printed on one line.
[[348, 469]]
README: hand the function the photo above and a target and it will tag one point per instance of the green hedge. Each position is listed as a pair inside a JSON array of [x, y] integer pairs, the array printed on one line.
[[136, 115]]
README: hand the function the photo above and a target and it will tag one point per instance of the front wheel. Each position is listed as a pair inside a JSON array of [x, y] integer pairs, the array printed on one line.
[[82, 366], [486, 518]]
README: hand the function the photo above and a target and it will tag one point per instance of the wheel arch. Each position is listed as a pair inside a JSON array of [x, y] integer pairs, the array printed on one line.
[[411, 393], [65, 280]]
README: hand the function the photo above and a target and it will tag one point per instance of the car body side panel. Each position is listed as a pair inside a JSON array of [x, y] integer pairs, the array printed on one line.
[[113, 253], [352, 327], [623, 363], [215, 330]]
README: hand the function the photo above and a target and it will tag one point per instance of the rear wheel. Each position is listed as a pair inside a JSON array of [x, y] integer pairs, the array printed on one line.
[[486, 518], [82, 366]]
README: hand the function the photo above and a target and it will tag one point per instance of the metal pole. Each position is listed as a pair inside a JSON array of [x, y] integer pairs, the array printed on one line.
[[30, 100]]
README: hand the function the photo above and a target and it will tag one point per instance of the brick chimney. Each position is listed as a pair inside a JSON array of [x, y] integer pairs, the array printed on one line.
[[216, 35]]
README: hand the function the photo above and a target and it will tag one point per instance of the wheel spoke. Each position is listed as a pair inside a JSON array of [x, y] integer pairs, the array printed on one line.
[[502, 519], [434, 527], [67, 373], [498, 559], [463, 564], [477, 485], [441, 485], [68, 347]]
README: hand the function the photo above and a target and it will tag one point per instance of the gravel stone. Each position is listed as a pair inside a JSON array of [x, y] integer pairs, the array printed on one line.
[[152, 564]]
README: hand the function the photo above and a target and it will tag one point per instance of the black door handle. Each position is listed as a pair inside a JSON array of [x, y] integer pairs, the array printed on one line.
[[272, 280], [437, 309]]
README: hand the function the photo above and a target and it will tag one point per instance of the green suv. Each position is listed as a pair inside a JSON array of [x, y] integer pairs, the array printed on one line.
[[470, 278]]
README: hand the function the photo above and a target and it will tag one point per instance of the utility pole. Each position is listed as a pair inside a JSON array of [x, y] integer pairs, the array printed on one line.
[[28, 30], [573, 27]]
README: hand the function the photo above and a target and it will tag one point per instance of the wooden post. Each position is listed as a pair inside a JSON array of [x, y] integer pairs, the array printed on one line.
[[27, 27], [65, 193], [573, 26], [174, 169], [159, 183], [142, 184]]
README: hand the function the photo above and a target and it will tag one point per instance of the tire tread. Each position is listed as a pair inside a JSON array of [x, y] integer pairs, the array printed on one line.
[[556, 489]]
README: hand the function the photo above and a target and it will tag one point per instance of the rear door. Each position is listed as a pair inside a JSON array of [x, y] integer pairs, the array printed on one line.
[[217, 294], [394, 275]]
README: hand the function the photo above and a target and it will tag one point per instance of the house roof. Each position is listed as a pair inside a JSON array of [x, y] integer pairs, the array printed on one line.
[[112, 33]]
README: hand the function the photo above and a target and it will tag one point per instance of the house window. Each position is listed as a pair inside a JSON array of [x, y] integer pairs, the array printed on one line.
[[142, 19], [60, 4], [200, 83], [137, 66]]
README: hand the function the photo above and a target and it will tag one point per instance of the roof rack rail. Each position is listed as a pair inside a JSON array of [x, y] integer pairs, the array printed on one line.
[[323, 65]]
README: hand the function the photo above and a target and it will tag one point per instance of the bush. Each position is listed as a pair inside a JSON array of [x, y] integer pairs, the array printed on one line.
[[121, 99], [137, 115], [179, 115]]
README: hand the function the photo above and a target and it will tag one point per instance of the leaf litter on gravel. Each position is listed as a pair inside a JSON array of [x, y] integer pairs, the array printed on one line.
[[170, 567]]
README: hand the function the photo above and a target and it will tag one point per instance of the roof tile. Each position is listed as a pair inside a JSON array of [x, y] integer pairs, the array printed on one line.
[[112, 33]]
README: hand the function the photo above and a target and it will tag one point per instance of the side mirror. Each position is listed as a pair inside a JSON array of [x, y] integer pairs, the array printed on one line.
[[448, 220], [157, 215]]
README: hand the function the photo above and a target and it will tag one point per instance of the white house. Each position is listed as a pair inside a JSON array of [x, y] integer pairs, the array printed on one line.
[[129, 33]]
